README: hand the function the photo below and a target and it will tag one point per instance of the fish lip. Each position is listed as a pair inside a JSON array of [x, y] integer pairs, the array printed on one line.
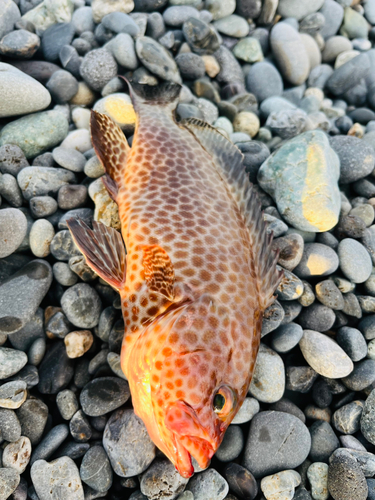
[[186, 469]]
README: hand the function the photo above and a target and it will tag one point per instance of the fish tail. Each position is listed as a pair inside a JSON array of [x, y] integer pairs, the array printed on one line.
[[166, 95], [103, 249]]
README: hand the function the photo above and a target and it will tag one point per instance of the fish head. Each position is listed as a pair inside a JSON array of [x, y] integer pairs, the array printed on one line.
[[193, 389]]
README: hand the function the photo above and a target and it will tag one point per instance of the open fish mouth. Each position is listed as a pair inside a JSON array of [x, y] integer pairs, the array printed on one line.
[[188, 447]]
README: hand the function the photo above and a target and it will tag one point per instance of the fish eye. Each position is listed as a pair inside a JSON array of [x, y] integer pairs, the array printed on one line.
[[224, 401]]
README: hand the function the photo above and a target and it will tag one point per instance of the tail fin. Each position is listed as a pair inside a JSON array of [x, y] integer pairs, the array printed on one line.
[[165, 94]]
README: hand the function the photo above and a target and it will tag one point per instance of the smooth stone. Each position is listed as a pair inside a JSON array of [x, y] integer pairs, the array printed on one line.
[[37, 351], [201, 36], [10, 14], [208, 484], [249, 408], [32, 417], [356, 158], [323, 441], [9, 480], [71, 159], [20, 94], [119, 108], [232, 444], [311, 200], [57, 479], [157, 59], [162, 480], [82, 305], [287, 406], [364, 459], [324, 355], [348, 75], [317, 260], [13, 394], [353, 342], [298, 9], [101, 8], [119, 22], [333, 13], [98, 68], [334, 46], [50, 443], [280, 485], [16, 455], [241, 481], [232, 25], [355, 261], [286, 337], [80, 428], [275, 104], [347, 418], [191, 66], [290, 53], [35, 133], [264, 81], [56, 370], [176, 16], [41, 235], [346, 480], [249, 50], [317, 475], [300, 378], [368, 418], [287, 123], [20, 44], [268, 382], [317, 317], [40, 181], [42, 206], [362, 376], [13, 227], [12, 159], [72, 196], [127, 443], [270, 430], [103, 395], [78, 343], [96, 470], [329, 294], [123, 50], [354, 25], [67, 404]]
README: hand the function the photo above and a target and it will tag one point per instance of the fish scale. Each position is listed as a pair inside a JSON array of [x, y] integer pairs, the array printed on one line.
[[199, 272]]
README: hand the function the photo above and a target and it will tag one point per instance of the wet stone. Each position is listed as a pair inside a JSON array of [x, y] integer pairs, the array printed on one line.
[[347, 418], [162, 480], [268, 431], [103, 395], [128, 446], [241, 481]]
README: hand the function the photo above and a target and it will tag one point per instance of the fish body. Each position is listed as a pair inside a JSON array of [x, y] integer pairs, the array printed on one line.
[[199, 272]]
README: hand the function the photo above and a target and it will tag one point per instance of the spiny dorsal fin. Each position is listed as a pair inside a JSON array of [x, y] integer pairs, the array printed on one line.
[[103, 249], [111, 147], [229, 161], [158, 269]]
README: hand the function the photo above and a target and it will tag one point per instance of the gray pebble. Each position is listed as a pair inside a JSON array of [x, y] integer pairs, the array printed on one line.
[[70, 159], [356, 158], [323, 441], [63, 247], [362, 376], [62, 86], [317, 260], [49, 444], [72, 196], [300, 378], [263, 80], [157, 59], [353, 342], [10, 190], [329, 295], [32, 419], [127, 443], [119, 22], [317, 317], [12, 159], [67, 403], [287, 406], [56, 369], [249, 408], [9, 480], [347, 418], [80, 428], [355, 261], [286, 337], [123, 50], [208, 484], [103, 395], [98, 68], [13, 227], [41, 235], [346, 480], [36, 352], [42, 206], [268, 382], [272, 318], [82, 305], [232, 444], [41, 181], [63, 274], [96, 470]]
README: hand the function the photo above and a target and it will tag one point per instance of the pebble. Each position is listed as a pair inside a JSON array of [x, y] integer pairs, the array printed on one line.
[[362, 376], [13, 394], [232, 25], [36, 352], [103, 395], [96, 470], [123, 50], [17, 455], [232, 444], [317, 317], [9, 480], [270, 430], [300, 378], [329, 295], [281, 485], [290, 53], [346, 480], [348, 75], [128, 446], [82, 305], [249, 408], [40, 181], [286, 337], [323, 441], [157, 59], [41, 235], [56, 479], [268, 382], [355, 261], [78, 343], [42, 206], [98, 68], [101, 8], [347, 418], [356, 159], [80, 428], [208, 484], [264, 81], [311, 200], [317, 260], [317, 475], [50, 443], [13, 227], [162, 480], [290, 249], [71, 159], [67, 403], [119, 108], [56, 370], [32, 419], [249, 50], [352, 342], [324, 355], [72, 196]]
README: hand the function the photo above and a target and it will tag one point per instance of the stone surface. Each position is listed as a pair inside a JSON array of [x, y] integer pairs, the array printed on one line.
[[13, 227], [208, 484], [82, 305], [309, 201], [103, 395], [268, 382], [162, 480], [96, 470], [355, 261]]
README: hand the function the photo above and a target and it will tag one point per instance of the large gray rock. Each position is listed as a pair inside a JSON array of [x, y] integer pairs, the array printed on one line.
[[20, 94]]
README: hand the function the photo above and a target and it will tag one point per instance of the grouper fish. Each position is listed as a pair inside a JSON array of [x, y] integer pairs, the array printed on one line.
[[195, 278]]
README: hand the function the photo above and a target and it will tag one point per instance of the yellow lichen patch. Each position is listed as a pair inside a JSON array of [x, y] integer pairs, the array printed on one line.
[[315, 196], [318, 265], [106, 210], [119, 108]]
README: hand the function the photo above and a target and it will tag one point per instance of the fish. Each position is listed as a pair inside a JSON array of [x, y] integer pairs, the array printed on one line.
[[194, 268]]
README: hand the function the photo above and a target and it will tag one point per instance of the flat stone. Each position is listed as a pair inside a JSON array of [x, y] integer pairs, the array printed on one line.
[[48, 13], [270, 430], [13, 394], [157, 59], [355, 261], [268, 382], [324, 355], [103, 395], [96, 470], [311, 200], [39, 181]]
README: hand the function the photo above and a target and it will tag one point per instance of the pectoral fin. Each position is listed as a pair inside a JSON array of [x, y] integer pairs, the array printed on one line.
[[159, 272], [103, 249]]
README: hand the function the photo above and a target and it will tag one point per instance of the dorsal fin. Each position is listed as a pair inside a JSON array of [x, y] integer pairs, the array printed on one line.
[[112, 148], [229, 161]]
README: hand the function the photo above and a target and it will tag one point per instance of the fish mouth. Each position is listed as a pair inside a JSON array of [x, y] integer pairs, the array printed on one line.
[[190, 438]]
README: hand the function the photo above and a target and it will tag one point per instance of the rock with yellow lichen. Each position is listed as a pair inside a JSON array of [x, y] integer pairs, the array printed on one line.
[[302, 177], [106, 210], [119, 108]]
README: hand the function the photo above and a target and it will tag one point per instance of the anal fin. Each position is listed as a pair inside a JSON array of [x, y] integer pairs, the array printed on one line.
[[103, 249]]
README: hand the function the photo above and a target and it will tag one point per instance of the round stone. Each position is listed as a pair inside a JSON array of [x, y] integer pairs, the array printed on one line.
[[268, 382], [323, 441], [317, 317], [67, 403], [82, 305], [232, 444], [362, 376], [9, 480], [249, 408], [241, 481], [346, 479], [324, 355], [63, 86], [286, 337], [355, 261], [275, 430], [41, 235], [96, 469], [119, 108], [103, 395], [98, 68], [13, 227], [263, 80], [33, 418], [357, 159], [17, 455], [20, 94], [13, 394], [78, 343], [353, 342], [71, 159], [347, 418], [208, 484], [317, 260], [127, 443], [281, 485]]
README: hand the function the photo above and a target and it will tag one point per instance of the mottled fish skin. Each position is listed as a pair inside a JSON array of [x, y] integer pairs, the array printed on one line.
[[193, 298]]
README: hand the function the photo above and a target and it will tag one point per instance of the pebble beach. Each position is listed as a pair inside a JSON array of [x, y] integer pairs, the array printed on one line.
[[292, 84]]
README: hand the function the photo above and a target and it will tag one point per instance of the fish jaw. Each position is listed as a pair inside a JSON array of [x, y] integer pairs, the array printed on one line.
[[190, 438]]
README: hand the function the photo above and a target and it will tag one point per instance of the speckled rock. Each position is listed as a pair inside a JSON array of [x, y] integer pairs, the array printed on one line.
[[17, 455], [162, 480], [268, 382], [281, 485], [13, 227], [317, 475], [77, 343], [208, 484], [311, 200], [157, 59], [346, 480], [82, 305], [106, 210]]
